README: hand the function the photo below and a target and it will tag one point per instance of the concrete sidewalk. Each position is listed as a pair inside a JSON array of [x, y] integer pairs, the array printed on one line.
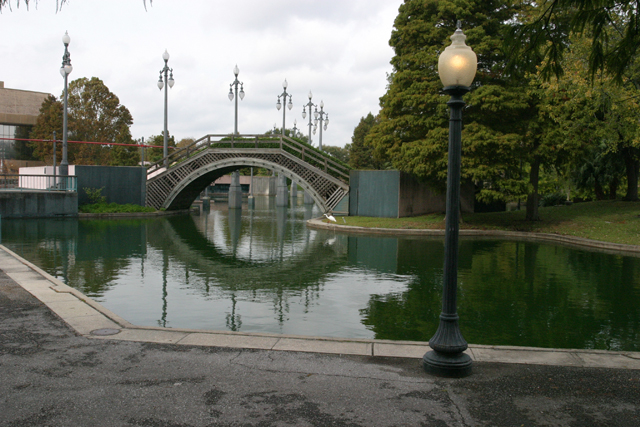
[[56, 372]]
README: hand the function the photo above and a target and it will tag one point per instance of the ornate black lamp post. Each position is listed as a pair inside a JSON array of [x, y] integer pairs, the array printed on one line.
[[320, 116], [166, 83], [65, 70], [457, 68], [233, 86], [304, 113], [284, 96]]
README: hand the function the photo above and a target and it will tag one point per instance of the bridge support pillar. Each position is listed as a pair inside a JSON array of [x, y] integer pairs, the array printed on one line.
[[235, 192], [294, 189], [206, 203], [282, 193], [308, 200]]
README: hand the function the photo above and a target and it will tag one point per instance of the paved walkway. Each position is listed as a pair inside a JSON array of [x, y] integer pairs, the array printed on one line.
[[58, 368]]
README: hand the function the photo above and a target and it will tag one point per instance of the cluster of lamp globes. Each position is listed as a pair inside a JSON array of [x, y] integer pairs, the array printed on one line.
[[316, 114], [170, 80], [66, 68], [236, 71]]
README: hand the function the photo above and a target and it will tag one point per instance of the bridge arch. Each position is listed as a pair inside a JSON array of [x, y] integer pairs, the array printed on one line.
[[178, 186], [186, 191]]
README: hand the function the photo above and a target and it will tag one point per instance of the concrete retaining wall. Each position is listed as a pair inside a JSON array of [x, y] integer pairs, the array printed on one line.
[[122, 184], [38, 204], [374, 193], [394, 194]]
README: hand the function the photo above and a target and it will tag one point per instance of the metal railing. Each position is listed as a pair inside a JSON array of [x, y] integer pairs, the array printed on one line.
[[303, 151], [38, 182]]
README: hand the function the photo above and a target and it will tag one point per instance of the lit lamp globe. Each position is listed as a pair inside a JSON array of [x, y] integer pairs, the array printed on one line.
[[457, 65]]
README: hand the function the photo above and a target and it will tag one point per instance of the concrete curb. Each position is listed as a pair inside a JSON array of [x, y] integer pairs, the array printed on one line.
[[91, 320], [632, 250]]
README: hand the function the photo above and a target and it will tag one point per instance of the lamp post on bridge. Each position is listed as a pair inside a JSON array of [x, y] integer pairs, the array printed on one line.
[[65, 70], [319, 116], [167, 82], [457, 68], [233, 86], [304, 112], [284, 95]]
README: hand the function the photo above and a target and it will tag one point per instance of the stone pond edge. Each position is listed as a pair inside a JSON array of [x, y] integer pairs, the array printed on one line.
[[318, 223]]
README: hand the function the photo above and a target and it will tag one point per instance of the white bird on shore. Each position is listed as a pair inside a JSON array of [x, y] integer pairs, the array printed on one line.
[[330, 217]]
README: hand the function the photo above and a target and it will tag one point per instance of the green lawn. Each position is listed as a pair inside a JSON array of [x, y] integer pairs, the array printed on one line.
[[609, 221], [113, 208]]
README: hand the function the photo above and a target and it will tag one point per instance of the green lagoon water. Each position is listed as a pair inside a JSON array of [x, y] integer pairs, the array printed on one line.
[[262, 270]]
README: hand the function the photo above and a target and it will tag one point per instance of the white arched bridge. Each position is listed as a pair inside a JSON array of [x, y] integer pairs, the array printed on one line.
[[174, 182]]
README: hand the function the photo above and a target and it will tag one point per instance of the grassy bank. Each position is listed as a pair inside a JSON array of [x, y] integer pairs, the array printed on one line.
[[608, 221], [113, 208]]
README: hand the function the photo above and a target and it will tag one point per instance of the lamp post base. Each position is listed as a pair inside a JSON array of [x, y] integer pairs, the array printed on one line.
[[455, 365]]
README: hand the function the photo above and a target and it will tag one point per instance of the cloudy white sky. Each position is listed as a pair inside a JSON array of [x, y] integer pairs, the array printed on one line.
[[338, 49]]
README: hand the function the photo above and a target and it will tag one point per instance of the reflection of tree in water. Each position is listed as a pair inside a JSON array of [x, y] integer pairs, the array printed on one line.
[[105, 248], [514, 293], [275, 278], [410, 315], [86, 254]]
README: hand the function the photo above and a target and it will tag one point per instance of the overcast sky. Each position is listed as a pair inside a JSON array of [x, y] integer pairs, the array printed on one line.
[[338, 49]]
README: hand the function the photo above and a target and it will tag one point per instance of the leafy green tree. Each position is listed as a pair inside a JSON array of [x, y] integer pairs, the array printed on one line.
[[361, 153], [96, 115], [598, 117], [23, 150], [599, 173], [155, 154], [340, 153], [412, 132], [49, 121], [543, 33], [185, 142]]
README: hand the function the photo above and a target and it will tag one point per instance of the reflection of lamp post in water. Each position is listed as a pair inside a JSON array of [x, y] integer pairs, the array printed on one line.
[[457, 68], [165, 269], [233, 320]]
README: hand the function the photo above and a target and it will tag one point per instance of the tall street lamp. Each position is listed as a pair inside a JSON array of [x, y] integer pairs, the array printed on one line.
[[233, 85], [65, 70], [457, 68], [166, 83], [304, 113], [284, 95], [320, 116]]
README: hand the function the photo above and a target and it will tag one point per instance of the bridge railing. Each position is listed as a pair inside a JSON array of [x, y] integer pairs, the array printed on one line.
[[301, 150], [24, 182]]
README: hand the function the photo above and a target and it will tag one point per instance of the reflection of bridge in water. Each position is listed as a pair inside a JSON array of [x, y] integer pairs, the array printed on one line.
[[181, 239], [190, 169], [217, 255]]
